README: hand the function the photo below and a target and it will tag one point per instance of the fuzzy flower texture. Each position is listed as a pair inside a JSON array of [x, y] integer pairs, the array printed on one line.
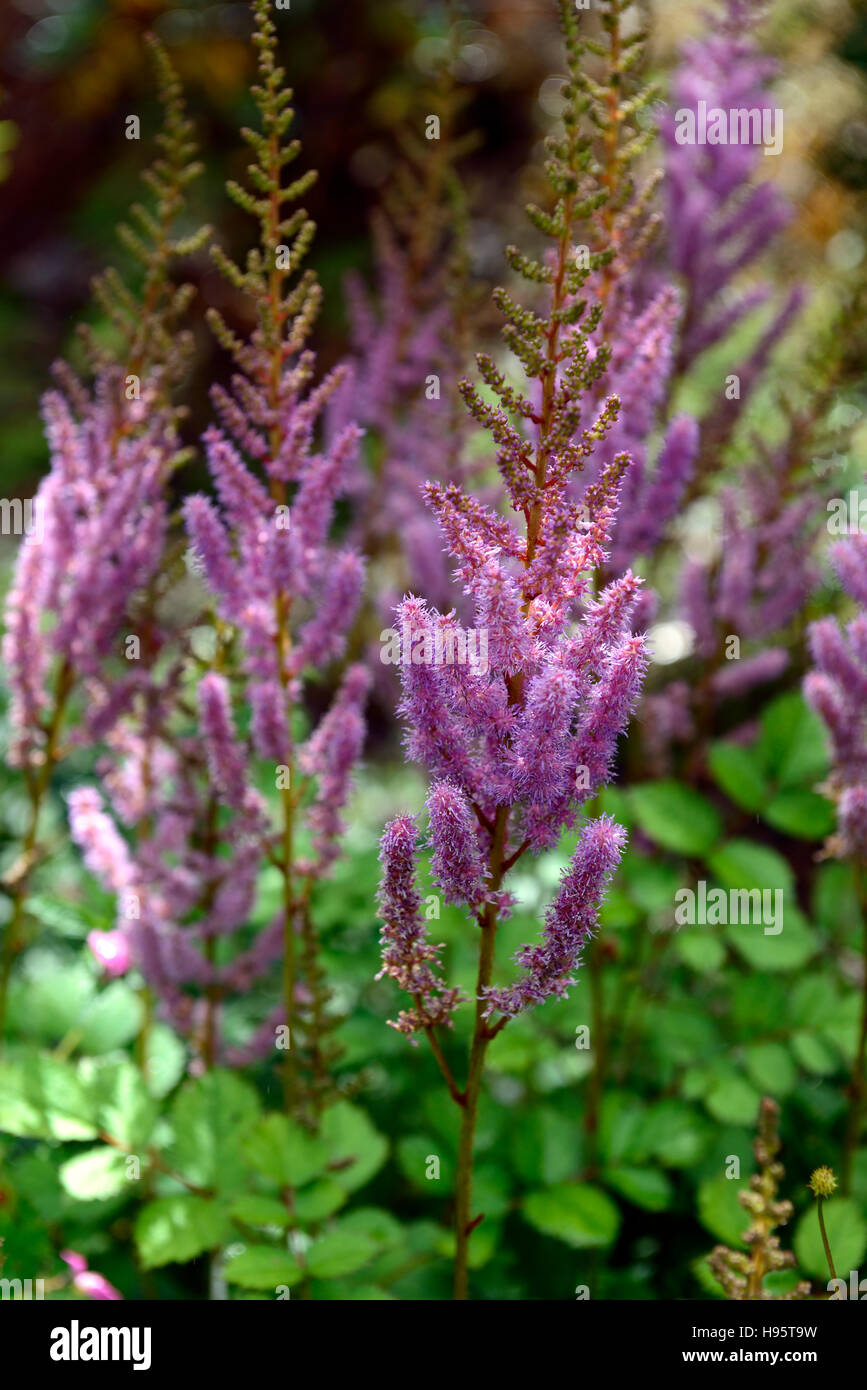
[[515, 751], [837, 690]]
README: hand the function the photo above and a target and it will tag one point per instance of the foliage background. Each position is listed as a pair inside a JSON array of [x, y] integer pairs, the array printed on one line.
[[697, 1026]]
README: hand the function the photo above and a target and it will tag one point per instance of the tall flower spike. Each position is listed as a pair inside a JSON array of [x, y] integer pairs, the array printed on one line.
[[516, 744], [742, 1274], [279, 583]]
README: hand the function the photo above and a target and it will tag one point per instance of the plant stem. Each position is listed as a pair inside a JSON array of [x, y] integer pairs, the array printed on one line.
[[38, 789], [482, 1036], [594, 1094], [856, 1086], [825, 1238]]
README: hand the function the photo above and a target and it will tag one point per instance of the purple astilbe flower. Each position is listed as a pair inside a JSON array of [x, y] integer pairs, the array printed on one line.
[[837, 690], [720, 219], [549, 968], [721, 216], [283, 597], [457, 865], [407, 955], [523, 741], [742, 601], [100, 523], [517, 747]]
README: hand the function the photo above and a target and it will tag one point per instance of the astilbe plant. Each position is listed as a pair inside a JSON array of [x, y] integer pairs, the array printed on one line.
[[288, 595], [517, 749], [85, 576], [741, 1274], [280, 601], [837, 690]]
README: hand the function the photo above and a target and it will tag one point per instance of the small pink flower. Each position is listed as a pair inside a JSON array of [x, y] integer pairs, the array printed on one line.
[[111, 950], [85, 1280]]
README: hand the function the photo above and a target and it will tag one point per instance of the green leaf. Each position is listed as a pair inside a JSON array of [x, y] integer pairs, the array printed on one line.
[[356, 1148], [284, 1153], [210, 1117], [700, 951], [847, 1237], [771, 1068], [720, 1211], [676, 817], [96, 1175], [339, 1253], [675, 1133], [113, 1019], [813, 1002], [814, 1055], [125, 1109], [793, 744], [49, 996], [166, 1060], [620, 1127], [43, 1098], [802, 813], [733, 1101], [263, 1267], [318, 1201], [542, 1146], [175, 1229], [788, 950], [252, 1210], [736, 771], [62, 918], [581, 1216], [644, 1187], [742, 864]]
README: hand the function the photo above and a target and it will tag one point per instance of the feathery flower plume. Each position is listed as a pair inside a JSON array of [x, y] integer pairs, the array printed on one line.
[[516, 750], [284, 597], [742, 1274], [83, 585]]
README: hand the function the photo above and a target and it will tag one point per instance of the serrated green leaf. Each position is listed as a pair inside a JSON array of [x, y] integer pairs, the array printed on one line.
[[263, 1267], [356, 1148], [720, 1210], [43, 1098], [175, 1229], [284, 1153], [210, 1118], [96, 1175], [793, 743], [733, 1101], [583, 1217]]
